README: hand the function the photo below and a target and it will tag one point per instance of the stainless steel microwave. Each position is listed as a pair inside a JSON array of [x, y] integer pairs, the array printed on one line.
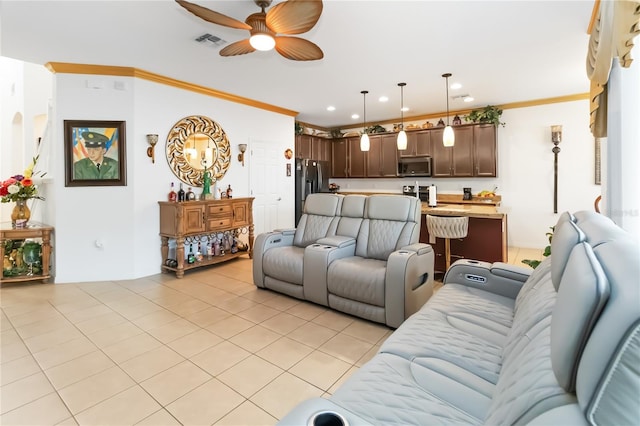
[[414, 166]]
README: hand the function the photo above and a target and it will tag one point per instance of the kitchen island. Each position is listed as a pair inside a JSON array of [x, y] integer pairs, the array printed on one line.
[[486, 239]]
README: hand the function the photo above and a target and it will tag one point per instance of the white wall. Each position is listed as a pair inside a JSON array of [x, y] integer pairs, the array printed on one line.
[[124, 219], [525, 170]]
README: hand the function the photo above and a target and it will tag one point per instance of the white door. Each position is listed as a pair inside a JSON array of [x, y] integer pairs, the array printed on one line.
[[266, 186]]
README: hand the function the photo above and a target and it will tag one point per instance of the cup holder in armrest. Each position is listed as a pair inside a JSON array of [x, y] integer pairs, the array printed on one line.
[[327, 418]]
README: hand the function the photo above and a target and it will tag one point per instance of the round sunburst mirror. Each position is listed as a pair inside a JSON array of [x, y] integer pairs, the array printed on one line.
[[196, 144]]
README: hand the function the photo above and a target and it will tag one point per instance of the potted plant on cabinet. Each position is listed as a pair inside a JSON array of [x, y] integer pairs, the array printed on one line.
[[488, 114]]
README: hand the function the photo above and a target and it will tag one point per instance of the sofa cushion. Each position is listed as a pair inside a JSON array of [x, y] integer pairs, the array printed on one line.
[[358, 279], [393, 207], [390, 390], [472, 343], [284, 263]]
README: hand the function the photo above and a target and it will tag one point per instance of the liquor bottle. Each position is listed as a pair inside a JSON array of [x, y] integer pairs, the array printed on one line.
[[199, 256], [191, 196], [216, 247], [191, 258], [181, 193], [173, 196], [229, 192]]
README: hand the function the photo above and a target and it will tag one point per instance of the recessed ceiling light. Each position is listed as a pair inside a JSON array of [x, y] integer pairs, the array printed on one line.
[[331, 108], [355, 116], [456, 86], [468, 99], [383, 99]]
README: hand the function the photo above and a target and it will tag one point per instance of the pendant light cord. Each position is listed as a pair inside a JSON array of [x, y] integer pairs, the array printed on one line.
[[446, 76]]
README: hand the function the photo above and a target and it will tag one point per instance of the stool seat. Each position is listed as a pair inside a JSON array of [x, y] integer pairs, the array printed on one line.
[[447, 227]]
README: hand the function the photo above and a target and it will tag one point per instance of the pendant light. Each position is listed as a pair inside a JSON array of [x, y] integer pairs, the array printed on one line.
[[402, 136], [448, 138], [364, 139]]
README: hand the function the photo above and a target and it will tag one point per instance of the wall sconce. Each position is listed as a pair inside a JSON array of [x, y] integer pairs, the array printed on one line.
[[242, 147], [152, 140], [556, 138]]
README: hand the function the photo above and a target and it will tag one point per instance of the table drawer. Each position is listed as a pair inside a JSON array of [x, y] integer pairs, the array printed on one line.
[[218, 223], [217, 210]]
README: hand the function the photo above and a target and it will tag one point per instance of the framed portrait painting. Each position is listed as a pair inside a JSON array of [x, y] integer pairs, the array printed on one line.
[[94, 153]]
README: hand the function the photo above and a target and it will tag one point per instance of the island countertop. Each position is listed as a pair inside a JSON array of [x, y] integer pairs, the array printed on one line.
[[487, 212]]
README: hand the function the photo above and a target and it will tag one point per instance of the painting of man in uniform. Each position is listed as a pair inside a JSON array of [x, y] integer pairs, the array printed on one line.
[[94, 153]]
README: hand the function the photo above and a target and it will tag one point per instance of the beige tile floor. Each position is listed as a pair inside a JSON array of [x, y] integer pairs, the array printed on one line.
[[206, 349]]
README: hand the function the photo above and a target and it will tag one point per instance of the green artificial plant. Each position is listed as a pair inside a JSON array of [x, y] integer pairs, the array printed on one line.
[[547, 251], [488, 114]]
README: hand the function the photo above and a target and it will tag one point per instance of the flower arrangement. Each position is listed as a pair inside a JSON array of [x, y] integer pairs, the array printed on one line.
[[21, 187]]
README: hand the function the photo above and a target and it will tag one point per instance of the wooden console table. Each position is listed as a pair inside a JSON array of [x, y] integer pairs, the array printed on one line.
[[34, 230], [192, 222]]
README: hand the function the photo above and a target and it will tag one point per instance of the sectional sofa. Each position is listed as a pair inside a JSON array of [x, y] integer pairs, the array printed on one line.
[[498, 345], [356, 254]]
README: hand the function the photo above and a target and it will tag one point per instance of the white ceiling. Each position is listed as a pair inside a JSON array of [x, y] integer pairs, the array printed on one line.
[[500, 51]]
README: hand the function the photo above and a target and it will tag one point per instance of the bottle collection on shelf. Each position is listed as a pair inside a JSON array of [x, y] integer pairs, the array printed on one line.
[[189, 195], [215, 246]]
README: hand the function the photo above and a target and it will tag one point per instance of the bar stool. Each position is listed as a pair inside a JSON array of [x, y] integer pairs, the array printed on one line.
[[447, 227]]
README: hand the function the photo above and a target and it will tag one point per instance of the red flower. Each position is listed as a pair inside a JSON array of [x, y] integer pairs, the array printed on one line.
[[3, 191]]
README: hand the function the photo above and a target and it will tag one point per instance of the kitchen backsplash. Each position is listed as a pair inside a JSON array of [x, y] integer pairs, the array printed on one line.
[[449, 186]]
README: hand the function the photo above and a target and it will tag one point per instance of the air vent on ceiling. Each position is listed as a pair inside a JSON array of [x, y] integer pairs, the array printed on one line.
[[216, 41]]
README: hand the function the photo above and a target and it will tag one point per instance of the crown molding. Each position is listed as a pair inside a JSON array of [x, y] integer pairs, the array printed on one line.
[[71, 68]]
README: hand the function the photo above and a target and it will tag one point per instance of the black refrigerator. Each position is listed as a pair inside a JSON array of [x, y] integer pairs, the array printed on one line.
[[311, 176]]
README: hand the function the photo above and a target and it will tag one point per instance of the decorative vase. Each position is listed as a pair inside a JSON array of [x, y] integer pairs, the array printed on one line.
[[20, 214]]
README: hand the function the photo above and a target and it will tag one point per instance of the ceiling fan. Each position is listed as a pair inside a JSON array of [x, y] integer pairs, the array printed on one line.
[[287, 17]]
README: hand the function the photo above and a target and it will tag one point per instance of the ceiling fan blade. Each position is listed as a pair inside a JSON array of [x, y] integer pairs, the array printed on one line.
[[213, 17], [238, 48], [298, 49], [294, 16]]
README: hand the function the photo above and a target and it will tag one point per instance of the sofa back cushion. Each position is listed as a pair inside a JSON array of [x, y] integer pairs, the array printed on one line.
[[608, 381], [351, 215], [319, 218], [566, 235], [391, 222], [583, 292]]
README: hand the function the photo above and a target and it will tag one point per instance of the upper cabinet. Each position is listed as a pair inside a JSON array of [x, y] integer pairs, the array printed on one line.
[[382, 160], [418, 144], [303, 146], [473, 154], [484, 150], [313, 147]]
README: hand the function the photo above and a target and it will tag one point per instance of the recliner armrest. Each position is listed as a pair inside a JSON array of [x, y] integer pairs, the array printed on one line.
[[504, 280], [288, 231], [420, 248], [337, 241], [518, 273]]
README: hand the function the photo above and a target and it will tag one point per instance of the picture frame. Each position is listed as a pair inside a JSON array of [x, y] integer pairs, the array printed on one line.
[[95, 153]]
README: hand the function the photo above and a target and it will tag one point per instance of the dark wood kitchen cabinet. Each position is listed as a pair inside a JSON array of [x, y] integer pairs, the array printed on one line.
[[303, 146], [484, 150], [455, 161], [382, 159], [320, 149], [418, 144], [347, 159]]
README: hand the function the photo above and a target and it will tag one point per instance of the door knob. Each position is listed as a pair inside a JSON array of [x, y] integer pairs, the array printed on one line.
[[279, 199]]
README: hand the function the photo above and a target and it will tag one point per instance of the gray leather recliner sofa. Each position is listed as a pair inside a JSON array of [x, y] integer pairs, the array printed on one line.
[[501, 345], [356, 254]]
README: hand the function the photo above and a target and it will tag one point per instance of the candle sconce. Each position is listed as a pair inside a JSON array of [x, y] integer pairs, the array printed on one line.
[[556, 138], [243, 148], [152, 140]]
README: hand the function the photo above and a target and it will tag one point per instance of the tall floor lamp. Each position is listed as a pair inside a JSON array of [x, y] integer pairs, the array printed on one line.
[[556, 138]]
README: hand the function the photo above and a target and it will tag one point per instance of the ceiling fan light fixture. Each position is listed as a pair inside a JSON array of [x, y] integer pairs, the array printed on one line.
[[262, 42], [448, 137]]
